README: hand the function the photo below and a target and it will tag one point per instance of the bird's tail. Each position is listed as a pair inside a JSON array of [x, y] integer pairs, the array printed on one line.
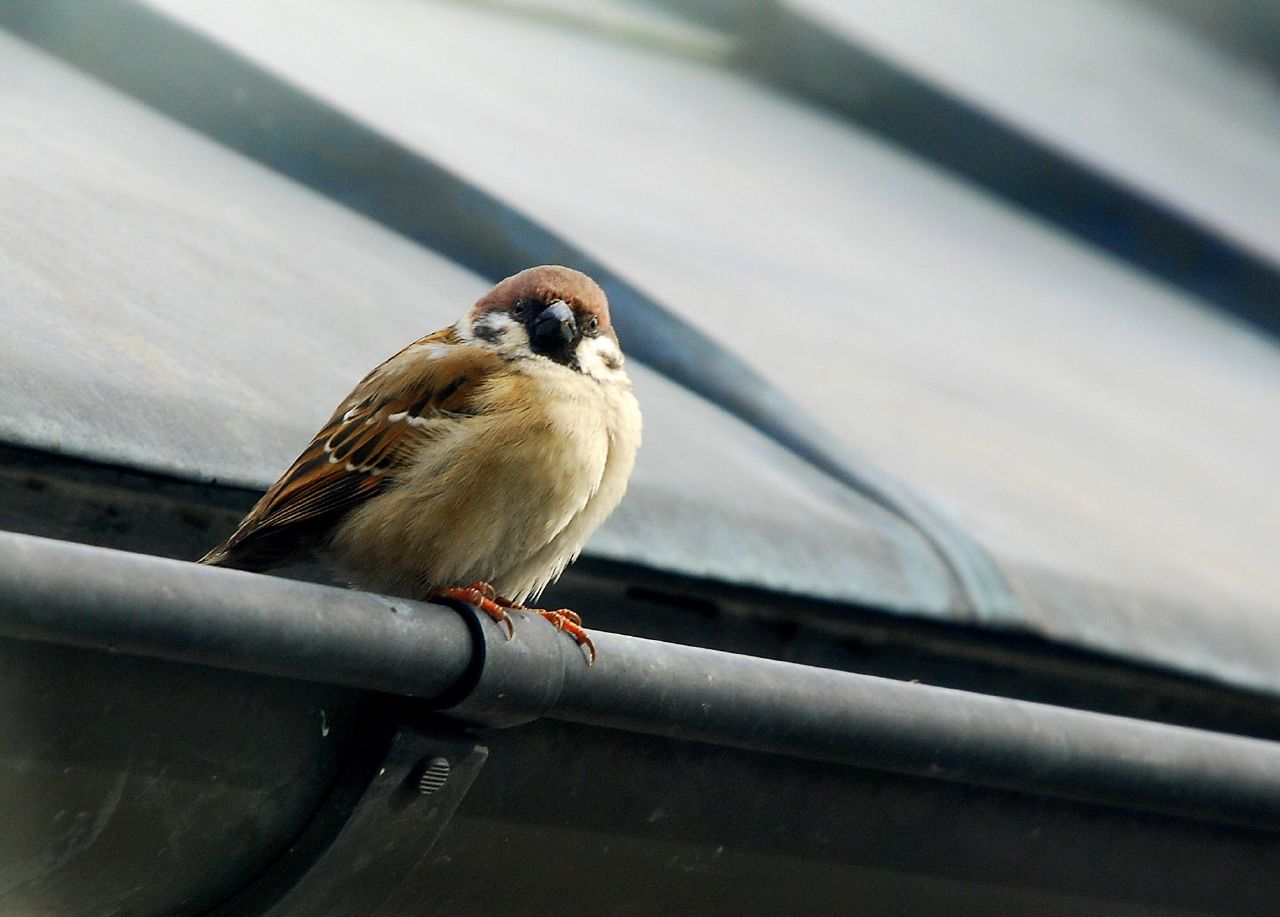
[[218, 557]]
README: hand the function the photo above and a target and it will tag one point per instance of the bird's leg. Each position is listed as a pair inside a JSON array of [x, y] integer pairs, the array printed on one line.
[[486, 598], [500, 600]]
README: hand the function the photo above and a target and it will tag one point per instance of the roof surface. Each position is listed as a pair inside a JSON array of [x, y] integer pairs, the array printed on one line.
[[215, 314], [1107, 438], [1138, 95]]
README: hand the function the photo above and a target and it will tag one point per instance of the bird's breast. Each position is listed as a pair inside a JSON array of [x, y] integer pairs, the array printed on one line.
[[507, 494]]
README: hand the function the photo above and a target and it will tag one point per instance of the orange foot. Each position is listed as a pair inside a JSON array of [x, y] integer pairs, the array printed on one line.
[[569, 622], [486, 598]]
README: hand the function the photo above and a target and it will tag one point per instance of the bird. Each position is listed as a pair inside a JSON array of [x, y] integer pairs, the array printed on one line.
[[474, 464]]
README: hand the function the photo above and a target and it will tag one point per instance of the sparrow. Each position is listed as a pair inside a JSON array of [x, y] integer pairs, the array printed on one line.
[[473, 464]]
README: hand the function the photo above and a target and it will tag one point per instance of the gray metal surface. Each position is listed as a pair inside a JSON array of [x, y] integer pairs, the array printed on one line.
[[1093, 430], [206, 86], [162, 349], [128, 787], [77, 595], [1122, 86], [183, 782], [638, 825], [372, 865], [70, 500], [817, 51], [168, 304], [183, 612], [1105, 437]]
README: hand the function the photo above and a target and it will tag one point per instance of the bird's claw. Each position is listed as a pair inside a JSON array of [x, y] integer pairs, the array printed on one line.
[[500, 615], [569, 622], [484, 597]]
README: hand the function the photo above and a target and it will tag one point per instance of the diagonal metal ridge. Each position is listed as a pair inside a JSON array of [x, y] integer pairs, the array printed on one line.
[[790, 47], [209, 88]]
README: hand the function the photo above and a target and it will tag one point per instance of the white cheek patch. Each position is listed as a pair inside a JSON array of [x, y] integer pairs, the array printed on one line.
[[599, 357]]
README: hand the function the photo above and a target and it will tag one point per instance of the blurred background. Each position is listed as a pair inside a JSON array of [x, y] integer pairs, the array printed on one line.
[[954, 324]]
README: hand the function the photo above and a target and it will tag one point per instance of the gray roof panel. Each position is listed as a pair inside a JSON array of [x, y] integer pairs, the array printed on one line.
[[1086, 424], [1123, 87], [173, 306]]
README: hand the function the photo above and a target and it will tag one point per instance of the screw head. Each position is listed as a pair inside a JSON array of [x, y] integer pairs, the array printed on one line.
[[435, 773]]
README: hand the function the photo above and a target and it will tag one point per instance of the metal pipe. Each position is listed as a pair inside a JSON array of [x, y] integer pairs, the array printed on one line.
[[72, 594], [801, 711], [703, 695], [92, 597]]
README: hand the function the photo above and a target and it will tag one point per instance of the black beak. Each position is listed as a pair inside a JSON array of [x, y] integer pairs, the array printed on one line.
[[554, 332]]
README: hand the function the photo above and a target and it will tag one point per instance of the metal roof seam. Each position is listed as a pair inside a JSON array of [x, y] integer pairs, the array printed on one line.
[[794, 47]]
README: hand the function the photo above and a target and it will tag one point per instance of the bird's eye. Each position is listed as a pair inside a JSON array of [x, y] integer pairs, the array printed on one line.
[[521, 309], [593, 326]]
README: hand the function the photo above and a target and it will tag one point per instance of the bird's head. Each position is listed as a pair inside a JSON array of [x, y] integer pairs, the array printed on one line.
[[549, 312]]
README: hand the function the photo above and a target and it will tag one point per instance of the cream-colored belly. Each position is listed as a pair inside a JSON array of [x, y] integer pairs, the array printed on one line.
[[508, 496]]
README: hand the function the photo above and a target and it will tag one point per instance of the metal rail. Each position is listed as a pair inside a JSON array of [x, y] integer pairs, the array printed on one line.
[[96, 598], [76, 595]]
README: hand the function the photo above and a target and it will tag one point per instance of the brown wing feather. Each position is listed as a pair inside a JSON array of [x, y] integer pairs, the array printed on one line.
[[406, 400]]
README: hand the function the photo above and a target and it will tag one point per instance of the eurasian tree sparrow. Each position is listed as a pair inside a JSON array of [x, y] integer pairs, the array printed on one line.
[[474, 464]]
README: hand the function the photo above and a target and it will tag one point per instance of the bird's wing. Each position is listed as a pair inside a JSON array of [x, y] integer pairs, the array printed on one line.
[[410, 398]]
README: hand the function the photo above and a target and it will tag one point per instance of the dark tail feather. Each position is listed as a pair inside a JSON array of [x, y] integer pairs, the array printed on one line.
[[261, 550]]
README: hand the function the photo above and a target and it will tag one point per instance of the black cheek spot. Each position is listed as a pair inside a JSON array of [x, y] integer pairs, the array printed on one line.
[[486, 332]]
